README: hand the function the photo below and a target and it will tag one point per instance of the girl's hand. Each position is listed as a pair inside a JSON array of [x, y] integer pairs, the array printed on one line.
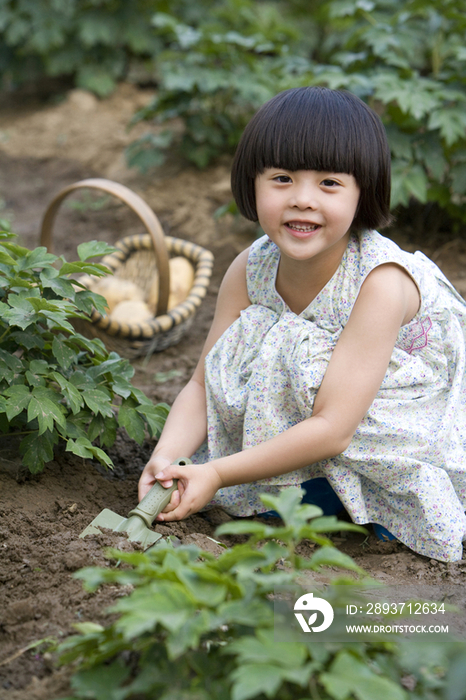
[[197, 485], [147, 479]]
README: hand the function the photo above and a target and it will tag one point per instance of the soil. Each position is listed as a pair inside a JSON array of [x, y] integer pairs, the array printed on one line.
[[44, 147]]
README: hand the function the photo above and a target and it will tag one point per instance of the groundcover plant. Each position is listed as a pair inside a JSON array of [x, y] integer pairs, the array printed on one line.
[[190, 625], [55, 384]]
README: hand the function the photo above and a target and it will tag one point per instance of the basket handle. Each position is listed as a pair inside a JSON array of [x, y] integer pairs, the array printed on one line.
[[143, 211]]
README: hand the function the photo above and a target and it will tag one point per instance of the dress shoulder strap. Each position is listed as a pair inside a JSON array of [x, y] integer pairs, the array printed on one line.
[[261, 272]]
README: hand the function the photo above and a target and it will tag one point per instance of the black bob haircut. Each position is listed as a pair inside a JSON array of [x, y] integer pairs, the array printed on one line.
[[316, 128]]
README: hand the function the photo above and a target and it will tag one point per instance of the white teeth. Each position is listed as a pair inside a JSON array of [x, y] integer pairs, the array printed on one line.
[[302, 227]]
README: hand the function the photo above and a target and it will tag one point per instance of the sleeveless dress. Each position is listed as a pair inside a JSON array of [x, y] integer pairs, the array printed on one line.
[[405, 467]]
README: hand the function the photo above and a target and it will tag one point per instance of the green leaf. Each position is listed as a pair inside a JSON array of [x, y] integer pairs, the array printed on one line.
[[243, 527], [37, 450], [81, 447], [190, 634], [33, 379], [250, 680], [39, 257], [416, 183], [101, 682], [122, 388], [129, 418], [349, 676], [149, 151], [84, 448], [6, 259], [408, 181], [264, 649], [286, 503], [10, 366], [88, 627], [330, 556], [46, 411], [28, 339], [74, 429], [451, 122], [84, 268], [159, 602], [456, 677], [80, 380], [86, 301], [103, 428], [98, 401], [64, 355], [245, 556], [114, 362], [253, 613], [39, 304], [96, 79], [155, 416], [39, 367], [61, 287], [21, 314], [205, 586], [19, 398], [94, 249], [330, 523], [71, 394]]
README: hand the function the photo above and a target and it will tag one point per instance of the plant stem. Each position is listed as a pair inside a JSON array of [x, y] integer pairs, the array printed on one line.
[[5, 333]]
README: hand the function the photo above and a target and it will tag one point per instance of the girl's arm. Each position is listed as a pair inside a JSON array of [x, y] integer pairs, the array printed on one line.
[[186, 426], [388, 299]]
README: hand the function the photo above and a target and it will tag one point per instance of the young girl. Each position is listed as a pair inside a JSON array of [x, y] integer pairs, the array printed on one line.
[[333, 353]]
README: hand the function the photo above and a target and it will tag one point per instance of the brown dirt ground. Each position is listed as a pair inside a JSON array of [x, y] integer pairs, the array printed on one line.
[[44, 147]]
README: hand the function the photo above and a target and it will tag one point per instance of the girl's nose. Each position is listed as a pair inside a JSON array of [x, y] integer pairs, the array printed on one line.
[[305, 198]]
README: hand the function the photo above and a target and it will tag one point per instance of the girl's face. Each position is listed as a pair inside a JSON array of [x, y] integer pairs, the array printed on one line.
[[306, 212]]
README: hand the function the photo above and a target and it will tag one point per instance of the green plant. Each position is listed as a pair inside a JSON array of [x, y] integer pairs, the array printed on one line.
[[214, 63], [407, 60], [213, 74], [96, 43], [55, 384], [197, 627]]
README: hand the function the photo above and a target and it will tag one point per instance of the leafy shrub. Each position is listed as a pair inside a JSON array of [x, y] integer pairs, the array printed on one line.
[[407, 60], [213, 74], [55, 384], [196, 627], [96, 41], [215, 63]]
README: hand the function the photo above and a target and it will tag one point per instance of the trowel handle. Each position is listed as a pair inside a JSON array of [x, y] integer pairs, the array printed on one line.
[[158, 497]]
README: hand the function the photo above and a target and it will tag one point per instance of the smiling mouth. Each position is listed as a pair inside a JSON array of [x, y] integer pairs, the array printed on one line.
[[302, 228]]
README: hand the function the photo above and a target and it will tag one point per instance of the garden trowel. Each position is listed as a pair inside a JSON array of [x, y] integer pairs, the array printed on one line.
[[137, 525]]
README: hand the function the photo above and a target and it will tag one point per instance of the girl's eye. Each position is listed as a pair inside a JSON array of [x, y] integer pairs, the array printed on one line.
[[329, 183], [282, 178]]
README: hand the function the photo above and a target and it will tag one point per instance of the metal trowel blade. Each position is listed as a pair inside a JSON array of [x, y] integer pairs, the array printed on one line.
[[134, 527]]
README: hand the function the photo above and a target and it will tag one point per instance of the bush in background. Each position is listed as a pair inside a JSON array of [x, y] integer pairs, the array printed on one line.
[[214, 63], [408, 61]]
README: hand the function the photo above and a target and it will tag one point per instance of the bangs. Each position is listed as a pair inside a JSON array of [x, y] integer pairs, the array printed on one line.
[[310, 134]]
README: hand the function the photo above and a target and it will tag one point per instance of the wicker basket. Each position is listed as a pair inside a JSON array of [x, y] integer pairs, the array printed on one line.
[[137, 259]]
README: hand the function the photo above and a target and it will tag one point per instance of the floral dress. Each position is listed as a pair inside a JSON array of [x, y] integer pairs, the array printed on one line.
[[405, 467]]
